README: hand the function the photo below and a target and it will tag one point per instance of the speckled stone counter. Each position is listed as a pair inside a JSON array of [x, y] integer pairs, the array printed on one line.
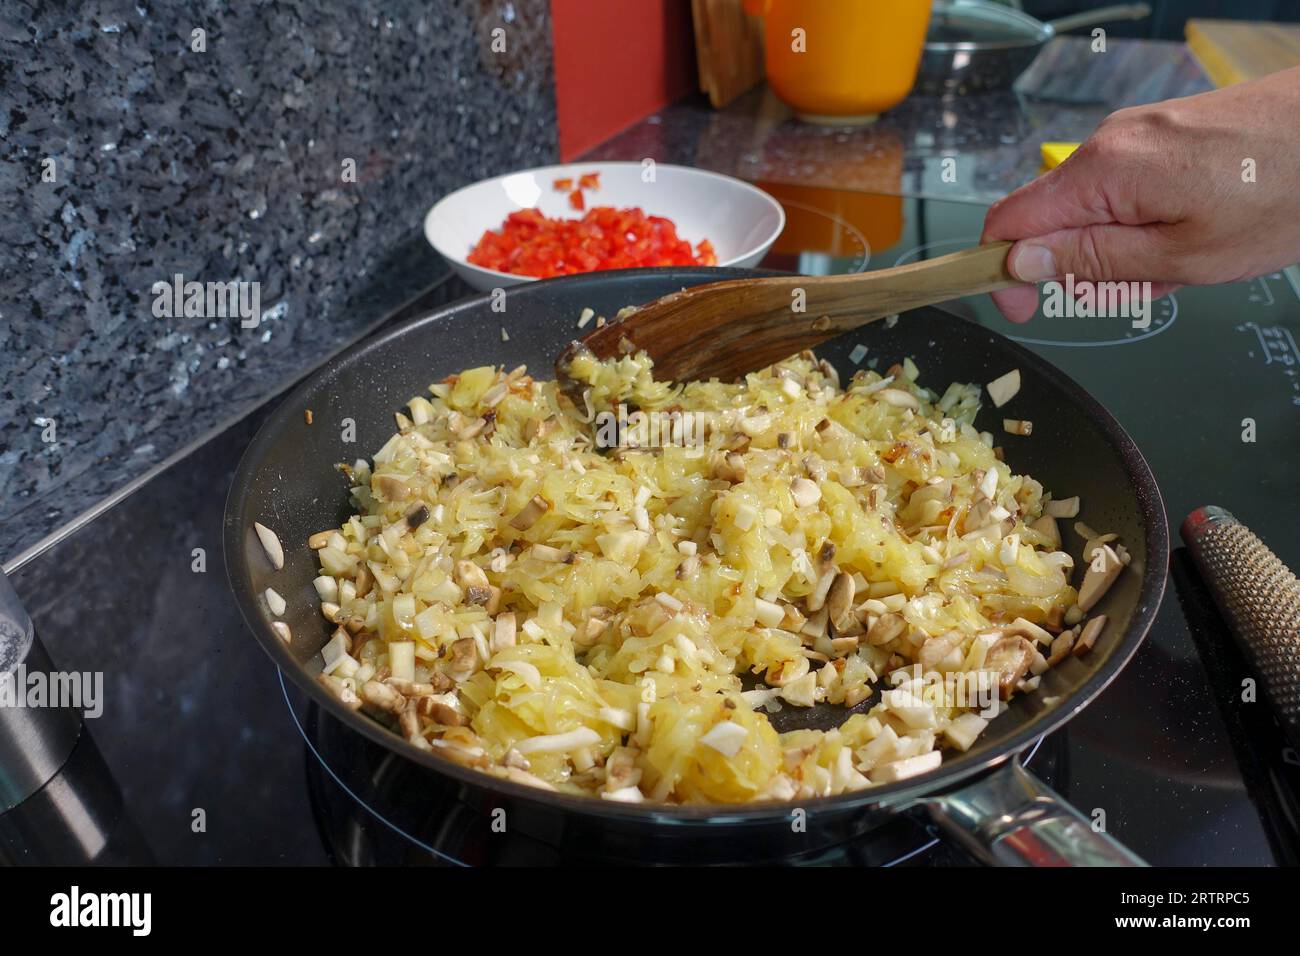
[[993, 138], [290, 145]]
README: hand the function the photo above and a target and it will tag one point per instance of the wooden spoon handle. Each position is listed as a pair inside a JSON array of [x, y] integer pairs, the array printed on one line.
[[727, 329], [870, 295]]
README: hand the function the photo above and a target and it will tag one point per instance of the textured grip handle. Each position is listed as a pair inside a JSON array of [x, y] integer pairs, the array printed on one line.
[[1260, 599]]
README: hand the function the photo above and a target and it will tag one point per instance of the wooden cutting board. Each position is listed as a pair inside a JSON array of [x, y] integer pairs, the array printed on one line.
[[728, 49], [1233, 51]]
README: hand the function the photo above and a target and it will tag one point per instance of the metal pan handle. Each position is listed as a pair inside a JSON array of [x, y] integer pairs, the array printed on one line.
[[1011, 818], [1122, 11]]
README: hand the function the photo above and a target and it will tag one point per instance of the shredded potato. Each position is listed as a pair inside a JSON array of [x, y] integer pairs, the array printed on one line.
[[623, 622]]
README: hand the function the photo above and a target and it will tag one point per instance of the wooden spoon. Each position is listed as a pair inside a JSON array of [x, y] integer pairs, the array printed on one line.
[[726, 329]]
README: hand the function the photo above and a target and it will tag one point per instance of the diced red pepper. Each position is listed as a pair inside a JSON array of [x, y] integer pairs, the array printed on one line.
[[529, 243], [576, 200]]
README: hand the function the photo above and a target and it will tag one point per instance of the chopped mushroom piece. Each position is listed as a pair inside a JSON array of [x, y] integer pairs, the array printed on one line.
[[417, 516], [817, 600], [409, 688], [964, 729], [1102, 571], [539, 429], [1010, 657], [845, 645], [346, 696], [488, 597], [382, 697], [319, 540], [886, 628], [390, 488], [1004, 388], [470, 575], [805, 493], [1062, 507], [409, 721], [624, 795], [1088, 637], [1060, 648], [503, 631], [529, 513], [942, 653], [274, 601], [440, 711], [621, 769], [768, 613], [730, 468], [801, 692], [907, 767], [1017, 426], [463, 659], [725, 737], [270, 544], [544, 552], [839, 604], [1030, 630], [1046, 526], [898, 398], [1094, 541]]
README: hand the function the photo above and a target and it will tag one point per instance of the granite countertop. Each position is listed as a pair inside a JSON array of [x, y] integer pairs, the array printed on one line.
[[993, 137], [291, 144]]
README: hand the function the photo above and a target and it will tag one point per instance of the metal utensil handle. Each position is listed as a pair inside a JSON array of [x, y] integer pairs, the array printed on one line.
[[1260, 599], [1011, 818], [34, 741], [1121, 11]]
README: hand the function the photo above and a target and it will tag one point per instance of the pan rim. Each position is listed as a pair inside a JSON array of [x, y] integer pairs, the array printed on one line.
[[1037, 32], [903, 793]]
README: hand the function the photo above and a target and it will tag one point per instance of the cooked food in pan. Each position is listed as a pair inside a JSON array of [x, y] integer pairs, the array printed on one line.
[[615, 599]]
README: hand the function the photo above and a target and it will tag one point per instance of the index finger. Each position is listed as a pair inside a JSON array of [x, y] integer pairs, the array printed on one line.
[[1067, 197]]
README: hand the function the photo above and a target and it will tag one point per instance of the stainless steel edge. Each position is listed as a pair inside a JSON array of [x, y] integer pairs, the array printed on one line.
[[1011, 818]]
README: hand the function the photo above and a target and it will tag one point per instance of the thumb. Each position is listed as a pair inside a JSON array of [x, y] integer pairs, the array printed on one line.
[[1097, 253]]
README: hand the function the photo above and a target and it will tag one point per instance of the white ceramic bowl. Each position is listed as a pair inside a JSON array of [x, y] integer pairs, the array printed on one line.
[[740, 220]]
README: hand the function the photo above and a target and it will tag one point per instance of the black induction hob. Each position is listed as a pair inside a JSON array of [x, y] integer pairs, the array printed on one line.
[[205, 754]]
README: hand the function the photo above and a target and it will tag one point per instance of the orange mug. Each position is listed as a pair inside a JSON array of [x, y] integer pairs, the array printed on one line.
[[842, 61]]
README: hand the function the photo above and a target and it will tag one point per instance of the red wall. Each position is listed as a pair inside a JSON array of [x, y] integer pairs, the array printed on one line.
[[616, 62]]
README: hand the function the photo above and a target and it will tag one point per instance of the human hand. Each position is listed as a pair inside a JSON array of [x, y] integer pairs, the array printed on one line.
[[1191, 191]]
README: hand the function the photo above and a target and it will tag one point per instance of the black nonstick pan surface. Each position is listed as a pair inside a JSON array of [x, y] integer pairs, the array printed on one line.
[[287, 480]]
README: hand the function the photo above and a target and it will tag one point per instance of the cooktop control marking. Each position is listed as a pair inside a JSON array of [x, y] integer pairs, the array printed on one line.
[[1277, 346], [1263, 294]]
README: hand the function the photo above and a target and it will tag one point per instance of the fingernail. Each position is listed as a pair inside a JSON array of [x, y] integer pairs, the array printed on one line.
[[1033, 264]]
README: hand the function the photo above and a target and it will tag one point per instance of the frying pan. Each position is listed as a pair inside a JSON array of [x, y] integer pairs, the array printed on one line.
[[974, 46], [984, 798]]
